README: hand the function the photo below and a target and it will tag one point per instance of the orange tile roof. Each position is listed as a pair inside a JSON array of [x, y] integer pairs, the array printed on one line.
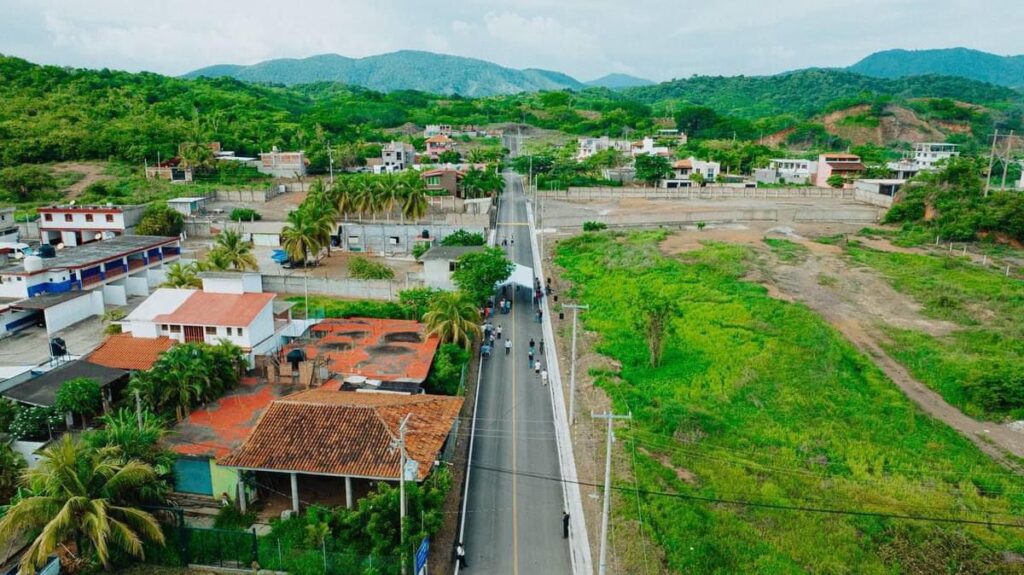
[[680, 164], [123, 351], [347, 433], [224, 309], [438, 139]]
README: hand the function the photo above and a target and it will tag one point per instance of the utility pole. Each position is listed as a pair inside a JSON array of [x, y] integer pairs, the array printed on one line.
[[1006, 158], [572, 363], [602, 568], [138, 408], [991, 161], [399, 444], [330, 159]]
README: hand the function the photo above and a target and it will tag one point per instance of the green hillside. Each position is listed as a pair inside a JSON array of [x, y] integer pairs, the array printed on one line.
[[619, 81], [962, 62], [807, 92], [402, 70]]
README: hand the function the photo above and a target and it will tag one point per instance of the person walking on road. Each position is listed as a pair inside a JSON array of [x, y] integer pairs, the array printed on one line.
[[565, 524], [544, 376], [498, 331], [540, 316], [460, 554], [529, 357], [533, 344], [508, 346], [536, 367], [542, 347]]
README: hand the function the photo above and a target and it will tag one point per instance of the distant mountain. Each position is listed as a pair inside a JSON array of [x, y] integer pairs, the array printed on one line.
[[402, 70], [962, 62], [619, 81]]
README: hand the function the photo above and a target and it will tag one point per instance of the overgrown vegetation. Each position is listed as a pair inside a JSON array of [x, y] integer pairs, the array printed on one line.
[[361, 268], [759, 400]]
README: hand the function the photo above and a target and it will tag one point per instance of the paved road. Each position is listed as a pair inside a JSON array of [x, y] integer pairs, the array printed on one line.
[[514, 523]]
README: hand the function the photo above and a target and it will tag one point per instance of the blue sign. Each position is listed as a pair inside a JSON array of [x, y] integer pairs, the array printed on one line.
[[421, 556]]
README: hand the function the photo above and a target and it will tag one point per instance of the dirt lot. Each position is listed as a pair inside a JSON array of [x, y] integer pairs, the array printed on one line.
[[92, 171]]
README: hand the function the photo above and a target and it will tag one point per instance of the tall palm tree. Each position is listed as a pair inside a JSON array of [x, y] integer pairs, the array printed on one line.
[[81, 494], [453, 318], [182, 276], [389, 189], [343, 193], [236, 251], [301, 236], [414, 197], [216, 260], [365, 199]]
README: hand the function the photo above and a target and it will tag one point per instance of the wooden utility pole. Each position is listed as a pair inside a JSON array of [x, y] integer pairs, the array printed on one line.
[[403, 457], [610, 417], [1006, 158], [572, 364], [991, 161]]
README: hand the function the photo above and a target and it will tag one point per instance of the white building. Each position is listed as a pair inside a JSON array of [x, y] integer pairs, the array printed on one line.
[[923, 159], [8, 227], [683, 171], [395, 157], [646, 147], [590, 146], [187, 206], [673, 134], [437, 130], [787, 171], [76, 225], [440, 262], [231, 306]]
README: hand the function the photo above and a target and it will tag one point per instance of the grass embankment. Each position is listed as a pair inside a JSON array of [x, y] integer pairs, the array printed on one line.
[[760, 400], [979, 367]]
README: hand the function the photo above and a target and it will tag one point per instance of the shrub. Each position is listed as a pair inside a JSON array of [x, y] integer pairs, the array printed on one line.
[[34, 423], [230, 517], [80, 395], [245, 215], [447, 370], [463, 238], [364, 269], [594, 226], [8, 411], [160, 220], [419, 249]]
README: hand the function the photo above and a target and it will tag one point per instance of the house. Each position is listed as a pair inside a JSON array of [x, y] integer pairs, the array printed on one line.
[[170, 170], [395, 157], [188, 206], [367, 354], [587, 147], [673, 135], [124, 351], [439, 263], [849, 166], [282, 164], [437, 130], [786, 171], [40, 389], [924, 158], [8, 227], [436, 145], [683, 171], [74, 225], [647, 147], [318, 444], [395, 238], [443, 180], [231, 306]]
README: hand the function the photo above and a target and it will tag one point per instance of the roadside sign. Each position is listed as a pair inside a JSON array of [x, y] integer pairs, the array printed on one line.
[[421, 557]]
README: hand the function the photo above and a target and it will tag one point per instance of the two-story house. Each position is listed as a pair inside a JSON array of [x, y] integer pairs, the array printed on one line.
[[683, 171], [395, 157], [436, 145], [8, 227], [73, 225], [924, 158], [786, 171], [587, 147], [282, 164], [849, 166]]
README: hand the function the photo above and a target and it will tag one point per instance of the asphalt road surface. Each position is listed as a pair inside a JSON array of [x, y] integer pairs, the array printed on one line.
[[514, 522]]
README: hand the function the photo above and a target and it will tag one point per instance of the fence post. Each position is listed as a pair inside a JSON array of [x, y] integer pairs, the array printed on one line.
[[255, 549]]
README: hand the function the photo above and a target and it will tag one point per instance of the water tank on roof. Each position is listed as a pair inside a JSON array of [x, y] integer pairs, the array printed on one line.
[[47, 251], [58, 347], [33, 263], [426, 234]]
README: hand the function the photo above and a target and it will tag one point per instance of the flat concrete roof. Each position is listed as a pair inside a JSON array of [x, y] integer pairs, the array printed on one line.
[[185, 200], [449, 252], [93, 253], [44, 301]]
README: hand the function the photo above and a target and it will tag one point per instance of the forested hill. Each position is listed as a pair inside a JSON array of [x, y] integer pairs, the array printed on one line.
[[962, 62], [402, 70], [807, 92]]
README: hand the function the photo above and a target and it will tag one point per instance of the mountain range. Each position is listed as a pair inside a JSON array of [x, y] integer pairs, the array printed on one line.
[[471, 77]]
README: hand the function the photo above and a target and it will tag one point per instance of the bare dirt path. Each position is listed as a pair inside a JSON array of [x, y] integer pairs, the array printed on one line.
[[93, 172]]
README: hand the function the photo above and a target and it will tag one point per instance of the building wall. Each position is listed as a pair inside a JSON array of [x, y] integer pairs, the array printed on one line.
[[73, 311], [224, 480], [437, 274], [379, 238]]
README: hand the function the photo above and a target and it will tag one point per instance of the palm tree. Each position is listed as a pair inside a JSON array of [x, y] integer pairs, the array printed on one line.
[[81, 494], [216, 260], [322, 211], [235, 251], [182, 276], [365, 199], [343, 193], [389, 188], [301, 236], [414, 197], [453, 318]]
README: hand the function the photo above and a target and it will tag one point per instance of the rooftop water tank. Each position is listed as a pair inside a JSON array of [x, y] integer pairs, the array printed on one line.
[[33, 263], [47, 251]]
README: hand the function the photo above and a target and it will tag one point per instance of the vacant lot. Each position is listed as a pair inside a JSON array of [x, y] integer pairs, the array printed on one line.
[[760, 407]]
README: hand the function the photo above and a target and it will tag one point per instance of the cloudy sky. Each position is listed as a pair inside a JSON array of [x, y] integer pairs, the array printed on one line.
[[656, 39]]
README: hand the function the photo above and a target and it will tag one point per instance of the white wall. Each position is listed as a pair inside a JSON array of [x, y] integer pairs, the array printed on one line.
[[436, 274], [137, 285], [237, 284], [115, 294], [73, 311]]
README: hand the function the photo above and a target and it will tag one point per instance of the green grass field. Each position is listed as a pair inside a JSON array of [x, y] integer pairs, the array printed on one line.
[[979, 367], [759, 400]]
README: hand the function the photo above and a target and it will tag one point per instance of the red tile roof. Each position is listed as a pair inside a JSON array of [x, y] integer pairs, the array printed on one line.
[[846, 166], [345, 433], [218, 427], [223, 309], [680, 164], [122, 351]]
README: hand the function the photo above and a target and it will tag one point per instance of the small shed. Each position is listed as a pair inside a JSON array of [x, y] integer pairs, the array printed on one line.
[[439, 263], [188, 206]]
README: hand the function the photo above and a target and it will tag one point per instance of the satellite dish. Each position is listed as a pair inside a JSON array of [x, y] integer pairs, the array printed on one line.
[[71, 203], [60, 246], [18, 255], [98, 236]]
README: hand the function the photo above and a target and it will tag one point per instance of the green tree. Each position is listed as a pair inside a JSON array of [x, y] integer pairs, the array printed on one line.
[[35, 423], [197, 156], [653, 314], [181, 275], [651, 169], [235, 251], [454, 318], [160, 220], [121, 430], [463, 238], [302, 236], [8, 411], [449, 157], [696, 178], [417, 300], [27, 182], [414, 197], [446, 372], [188, 374], [80, 395], [11, 466], [377, 517], [478, 273], [836, 180], [82, 495]]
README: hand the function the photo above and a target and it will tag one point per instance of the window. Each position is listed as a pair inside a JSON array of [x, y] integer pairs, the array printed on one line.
[[68, 217], [434, 181], [88, 217], [163, 327], [353, 240], [110, 217], [210, 330], [238, 331], [452, 265], [393, 240], [175, 329], [48, 217]]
